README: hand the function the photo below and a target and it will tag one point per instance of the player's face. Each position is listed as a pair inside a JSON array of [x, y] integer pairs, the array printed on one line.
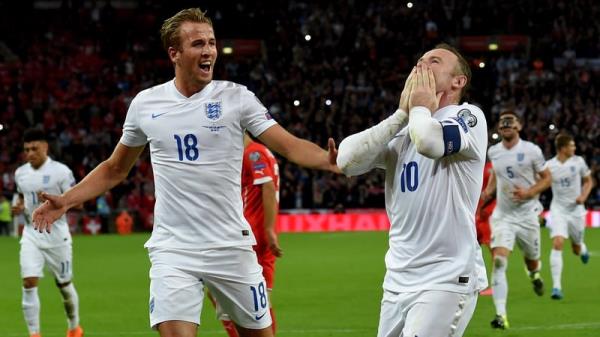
[[36, 152], [569, 149], [444, 65], [197, 54], [509, 127]]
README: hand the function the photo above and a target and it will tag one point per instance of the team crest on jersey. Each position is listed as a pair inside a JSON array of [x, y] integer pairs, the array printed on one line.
[[213, 110], [254, 156], [468, 117], [520, 156], [45, 179]]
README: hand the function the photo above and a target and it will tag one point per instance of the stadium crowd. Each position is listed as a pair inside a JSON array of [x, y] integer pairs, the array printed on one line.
[[327, 69]]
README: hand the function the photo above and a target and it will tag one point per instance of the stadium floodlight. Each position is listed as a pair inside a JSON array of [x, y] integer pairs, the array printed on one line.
[[493, 46], [1, 127], [494, 135], [227, 50], [328, 102], [296, 102], [307, 37], [409, 4], [481, 64], [551, 127]]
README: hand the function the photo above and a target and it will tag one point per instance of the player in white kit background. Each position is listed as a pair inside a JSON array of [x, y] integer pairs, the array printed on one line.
[[433, 151], [53, 250], [567, 208], [520, 175], [195, 128]]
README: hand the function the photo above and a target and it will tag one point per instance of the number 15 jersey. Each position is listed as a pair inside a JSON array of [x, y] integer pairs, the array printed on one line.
[[196, 147]]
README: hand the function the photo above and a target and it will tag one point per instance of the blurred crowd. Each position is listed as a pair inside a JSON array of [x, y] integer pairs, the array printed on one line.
[[328, 69]]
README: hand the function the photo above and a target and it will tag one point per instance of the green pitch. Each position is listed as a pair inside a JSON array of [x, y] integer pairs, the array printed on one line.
[[326, 285]]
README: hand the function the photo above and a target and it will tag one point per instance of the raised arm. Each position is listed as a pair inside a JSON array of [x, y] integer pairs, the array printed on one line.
[[105, 176]]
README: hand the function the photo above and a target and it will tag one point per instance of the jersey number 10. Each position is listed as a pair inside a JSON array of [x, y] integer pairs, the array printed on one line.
[[409, 178]]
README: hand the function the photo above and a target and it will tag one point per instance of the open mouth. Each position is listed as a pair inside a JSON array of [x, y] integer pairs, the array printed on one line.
[[205, 66]]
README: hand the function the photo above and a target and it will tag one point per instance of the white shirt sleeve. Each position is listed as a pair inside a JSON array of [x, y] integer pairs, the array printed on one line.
[[539, 162], [254, 116], [363, 151], [584, 170], [455, 135], [67, 181], [133, 136]]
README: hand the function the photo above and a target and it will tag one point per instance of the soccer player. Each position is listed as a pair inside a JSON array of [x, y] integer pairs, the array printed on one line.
[[260, 195], [520, 175], [482, 218], [567, 207], [42, 174], [195, 128], [433, 151]]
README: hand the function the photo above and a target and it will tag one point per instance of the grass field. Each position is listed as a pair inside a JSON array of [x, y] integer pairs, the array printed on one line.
[[326, 285]]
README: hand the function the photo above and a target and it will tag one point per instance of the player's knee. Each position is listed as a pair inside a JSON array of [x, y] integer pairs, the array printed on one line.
[[500, 262], [557, 243], [61, 284], [30, 282]]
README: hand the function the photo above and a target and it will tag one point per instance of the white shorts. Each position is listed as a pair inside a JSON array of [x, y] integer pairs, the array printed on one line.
[[567, 225], [58, 259], [232, 275], [429, 313], [526, 233]]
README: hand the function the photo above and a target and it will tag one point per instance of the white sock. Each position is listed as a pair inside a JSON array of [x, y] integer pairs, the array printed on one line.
[[71, 302], [499, 284], [556, 265], [31, 309], [583, 249]]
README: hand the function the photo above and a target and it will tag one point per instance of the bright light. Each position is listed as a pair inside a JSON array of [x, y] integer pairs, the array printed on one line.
[[296, 102], [409, 4], [494, 135], [481, 64], [493, 46], [328, 102], [551, 127], [1, 127], [227, 50], [307, 37]]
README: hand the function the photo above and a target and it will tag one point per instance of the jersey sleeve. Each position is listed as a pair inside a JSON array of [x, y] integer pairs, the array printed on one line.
[[584, 170], [67, 181], [254, 116], [539, 162], [465, 133], [260, 171], [133, 136]]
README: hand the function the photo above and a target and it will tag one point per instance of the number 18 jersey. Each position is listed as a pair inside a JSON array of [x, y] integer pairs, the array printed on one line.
[[196, 147]]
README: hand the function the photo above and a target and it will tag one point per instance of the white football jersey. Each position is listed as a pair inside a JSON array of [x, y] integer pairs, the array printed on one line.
[[431, 206], [196, 148], [566, 184], [514, 167], [54, 178]]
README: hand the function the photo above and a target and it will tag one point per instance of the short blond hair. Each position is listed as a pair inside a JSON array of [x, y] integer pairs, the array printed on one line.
[[170, 30]]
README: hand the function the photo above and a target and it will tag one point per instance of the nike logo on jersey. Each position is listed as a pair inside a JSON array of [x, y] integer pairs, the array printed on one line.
[[261, 316], [158, 115]]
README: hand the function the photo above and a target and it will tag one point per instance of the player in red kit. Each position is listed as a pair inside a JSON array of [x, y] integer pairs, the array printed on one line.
[[260, 194], [482, 218]]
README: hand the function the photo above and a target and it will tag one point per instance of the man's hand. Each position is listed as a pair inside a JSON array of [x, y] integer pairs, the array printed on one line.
[[273, 243], [580, 200], [405, 95], [333, 153], [48, 212], [423, 91], [520, 194]]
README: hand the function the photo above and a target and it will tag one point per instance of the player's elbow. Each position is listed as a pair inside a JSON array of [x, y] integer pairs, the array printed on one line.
[[347, 160], [429, 148]]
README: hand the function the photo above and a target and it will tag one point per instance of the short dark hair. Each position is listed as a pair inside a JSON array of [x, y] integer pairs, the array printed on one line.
[[562, 140], [509, 112], [34, 134]]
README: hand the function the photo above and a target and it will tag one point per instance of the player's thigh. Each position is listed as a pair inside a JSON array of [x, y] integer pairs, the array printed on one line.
[[528, 239], [440, 314], [392, 314], [239, 287], [503, 234], [176, 293], [577, 228], [558, 225], [31, 260], [60, 261]]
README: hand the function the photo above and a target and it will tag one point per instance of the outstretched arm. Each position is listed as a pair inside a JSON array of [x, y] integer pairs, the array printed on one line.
[[105, 176], [300, 151]]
